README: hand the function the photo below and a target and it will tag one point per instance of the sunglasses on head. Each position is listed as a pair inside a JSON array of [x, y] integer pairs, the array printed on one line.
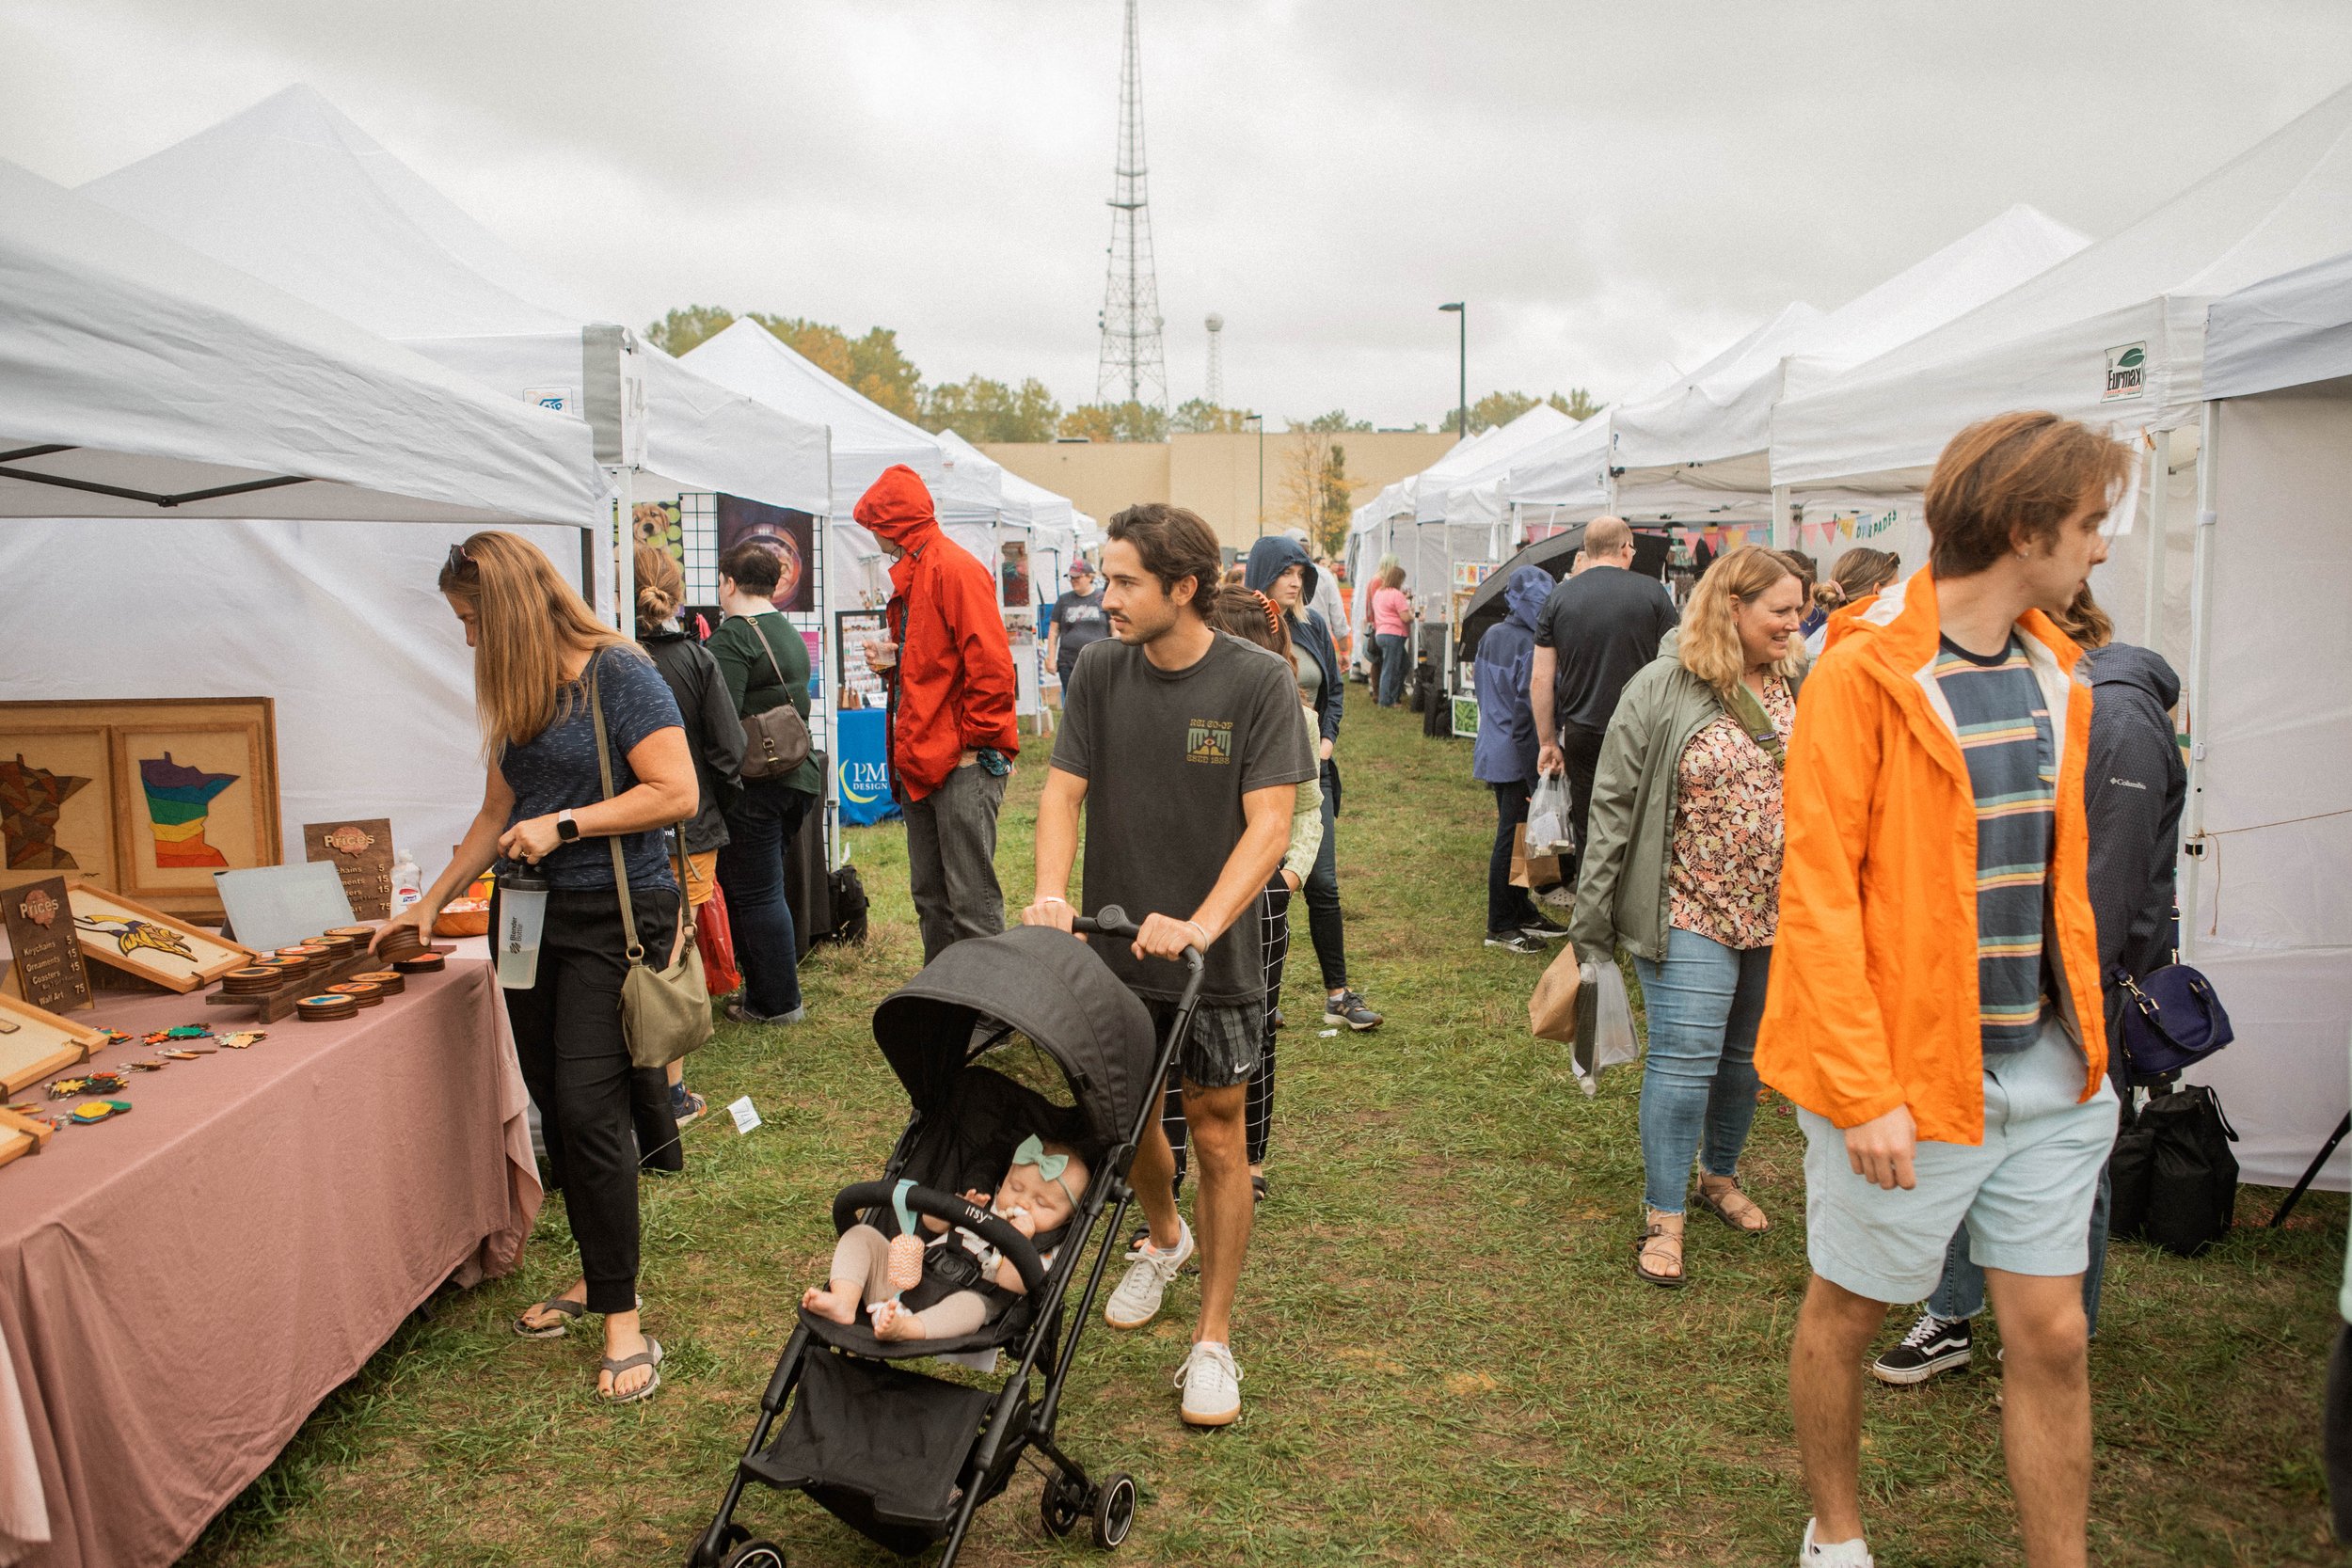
[[460, 563]]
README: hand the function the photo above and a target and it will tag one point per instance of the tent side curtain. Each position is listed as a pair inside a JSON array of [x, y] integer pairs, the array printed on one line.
[[2292, 330]]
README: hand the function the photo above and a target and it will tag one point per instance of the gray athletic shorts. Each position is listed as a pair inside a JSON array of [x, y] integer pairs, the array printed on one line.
[[1226, 1044]]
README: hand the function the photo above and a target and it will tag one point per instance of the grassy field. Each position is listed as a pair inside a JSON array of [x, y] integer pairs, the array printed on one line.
[[1448, 1359]]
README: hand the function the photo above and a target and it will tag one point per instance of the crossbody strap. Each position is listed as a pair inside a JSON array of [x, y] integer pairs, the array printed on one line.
[[636, 950], [769, 649]]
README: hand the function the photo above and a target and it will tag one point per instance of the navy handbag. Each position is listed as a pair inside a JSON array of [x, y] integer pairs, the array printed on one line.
[[2171, 1019]]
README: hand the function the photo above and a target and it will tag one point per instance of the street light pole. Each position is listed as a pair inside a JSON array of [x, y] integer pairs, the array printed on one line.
[[1461, 313], [1259, 420]]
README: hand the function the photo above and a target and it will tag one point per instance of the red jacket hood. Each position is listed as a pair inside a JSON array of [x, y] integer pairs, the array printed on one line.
[[897, 507]]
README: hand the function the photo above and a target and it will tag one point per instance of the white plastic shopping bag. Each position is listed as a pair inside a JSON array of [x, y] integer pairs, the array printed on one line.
[[1548, 829], [1610, 1042]]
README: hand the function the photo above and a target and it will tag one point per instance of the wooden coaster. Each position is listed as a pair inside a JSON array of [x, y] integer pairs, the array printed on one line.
[[391, 982], [426, 963], [327, 1007], [361, 934], [359, 991], [253, 980], [404, 942]]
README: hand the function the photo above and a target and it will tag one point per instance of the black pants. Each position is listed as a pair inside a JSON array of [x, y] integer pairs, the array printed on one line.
[[1581, 749], [2336, 1433], [595, 1109], [1508, 908], [1324, 926]]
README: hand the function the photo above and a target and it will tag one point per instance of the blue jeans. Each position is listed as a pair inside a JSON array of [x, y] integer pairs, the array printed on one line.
[[1703, 1005], [1960, 1293], [764, 818], [1393, 670]]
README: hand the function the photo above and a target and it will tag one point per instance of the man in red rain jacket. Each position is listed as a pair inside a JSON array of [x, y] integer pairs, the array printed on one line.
[[952, 737]]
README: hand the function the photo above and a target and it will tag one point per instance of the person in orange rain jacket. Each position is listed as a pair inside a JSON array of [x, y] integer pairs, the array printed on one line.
[[1934, 1005], [948, 665]]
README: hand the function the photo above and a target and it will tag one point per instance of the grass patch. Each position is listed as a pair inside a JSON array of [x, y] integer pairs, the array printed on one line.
[[1447, 1358]]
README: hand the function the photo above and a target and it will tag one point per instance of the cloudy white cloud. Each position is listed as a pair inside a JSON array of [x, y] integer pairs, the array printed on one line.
[[1608, 184]]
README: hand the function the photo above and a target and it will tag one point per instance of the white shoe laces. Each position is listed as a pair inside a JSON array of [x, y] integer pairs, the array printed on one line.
[[1221, 1356], [1927, 1329]]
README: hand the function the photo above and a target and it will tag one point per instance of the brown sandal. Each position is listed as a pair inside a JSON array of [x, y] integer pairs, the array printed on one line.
[[1656, 1233], [1718, 1204]]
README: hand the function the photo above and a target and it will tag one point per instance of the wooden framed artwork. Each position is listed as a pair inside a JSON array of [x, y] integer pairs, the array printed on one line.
[[35, 1044], [127, 935], [22, 1135], [150, 795]]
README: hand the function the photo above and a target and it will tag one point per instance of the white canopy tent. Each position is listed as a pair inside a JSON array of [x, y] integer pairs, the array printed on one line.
[[135, 376], [1050, 521], [2267, 891], [1408, 519]]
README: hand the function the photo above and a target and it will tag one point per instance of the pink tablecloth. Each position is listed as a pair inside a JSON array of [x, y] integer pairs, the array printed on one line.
[[178, 1289]]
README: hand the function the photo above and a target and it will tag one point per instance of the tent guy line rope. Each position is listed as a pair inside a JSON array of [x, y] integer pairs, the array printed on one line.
[[2213, 926]]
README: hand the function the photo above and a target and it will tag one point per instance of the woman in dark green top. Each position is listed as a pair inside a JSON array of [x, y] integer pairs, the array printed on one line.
[[766, 665]]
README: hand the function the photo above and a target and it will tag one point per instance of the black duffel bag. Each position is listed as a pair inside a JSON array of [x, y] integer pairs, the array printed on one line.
[[2175, 1181]]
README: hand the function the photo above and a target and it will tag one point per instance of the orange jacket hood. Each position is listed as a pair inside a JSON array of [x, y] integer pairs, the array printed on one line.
[[897, 507], [1872, 1001]]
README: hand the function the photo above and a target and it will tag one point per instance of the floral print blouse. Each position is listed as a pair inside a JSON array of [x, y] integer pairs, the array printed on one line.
[[1724, 881]]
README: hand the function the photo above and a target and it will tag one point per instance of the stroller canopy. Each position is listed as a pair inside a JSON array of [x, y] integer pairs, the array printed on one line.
[[1049, 986]]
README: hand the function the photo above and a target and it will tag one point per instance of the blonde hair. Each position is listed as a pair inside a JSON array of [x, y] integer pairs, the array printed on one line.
[[660, 587], [526, 619], [1709, 647]]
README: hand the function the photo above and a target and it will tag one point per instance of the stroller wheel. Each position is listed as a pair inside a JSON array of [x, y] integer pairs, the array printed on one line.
[[1061, 1505], [755, 1554], [1114, 1510]]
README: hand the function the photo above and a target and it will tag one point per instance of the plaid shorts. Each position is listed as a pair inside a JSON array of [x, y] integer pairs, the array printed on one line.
[[1224, 1045]]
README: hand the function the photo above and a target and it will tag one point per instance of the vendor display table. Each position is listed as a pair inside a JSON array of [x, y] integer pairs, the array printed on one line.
[[180, 1287]]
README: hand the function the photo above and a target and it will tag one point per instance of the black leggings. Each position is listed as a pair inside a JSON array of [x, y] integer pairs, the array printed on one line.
[[595, 1109], [1274, 936]]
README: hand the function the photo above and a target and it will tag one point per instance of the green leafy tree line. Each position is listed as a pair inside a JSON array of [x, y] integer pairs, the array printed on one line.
[[1500, 408]]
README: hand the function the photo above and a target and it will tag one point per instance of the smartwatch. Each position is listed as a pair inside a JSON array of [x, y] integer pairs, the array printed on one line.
[[565, 828]]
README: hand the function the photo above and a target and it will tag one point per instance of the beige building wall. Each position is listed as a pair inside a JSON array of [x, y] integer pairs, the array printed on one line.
[[1216, 476]]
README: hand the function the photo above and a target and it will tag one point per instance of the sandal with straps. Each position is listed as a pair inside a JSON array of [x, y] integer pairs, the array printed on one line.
[[1650, 1237], [566, 1310], [1718, 1204], [650, 1357]]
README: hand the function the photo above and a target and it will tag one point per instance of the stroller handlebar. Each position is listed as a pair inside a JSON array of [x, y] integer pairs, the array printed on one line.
[[992, 1229], [1110, 919]]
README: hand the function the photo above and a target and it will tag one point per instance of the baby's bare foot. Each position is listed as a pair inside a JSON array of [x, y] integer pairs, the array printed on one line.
[[893, 1322], [838, 1307]]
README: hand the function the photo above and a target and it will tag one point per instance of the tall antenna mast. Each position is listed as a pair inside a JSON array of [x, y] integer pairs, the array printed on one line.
[[1216, 325], [1134, 367]]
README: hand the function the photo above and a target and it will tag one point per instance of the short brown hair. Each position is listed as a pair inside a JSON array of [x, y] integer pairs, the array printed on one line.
[[1175, 545], [757, 568], [1863, 571], [2015, 473], [1608, 536], [1250, 615]]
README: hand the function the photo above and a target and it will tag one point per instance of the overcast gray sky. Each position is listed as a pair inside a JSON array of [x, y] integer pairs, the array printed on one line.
[[1608, 184]]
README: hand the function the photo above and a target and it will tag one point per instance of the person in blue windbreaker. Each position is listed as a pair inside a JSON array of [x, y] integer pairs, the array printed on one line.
[[1503, 754]]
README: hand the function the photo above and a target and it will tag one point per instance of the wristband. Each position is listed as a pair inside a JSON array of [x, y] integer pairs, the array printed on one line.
[[1050, 898], [1203, 931]]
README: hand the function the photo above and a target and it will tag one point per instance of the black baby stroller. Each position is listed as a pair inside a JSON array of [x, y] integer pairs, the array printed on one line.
[[902, 1457]]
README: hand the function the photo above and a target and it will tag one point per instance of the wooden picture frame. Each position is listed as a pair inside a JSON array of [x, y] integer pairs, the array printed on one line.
[[149, 943], [35, 1042], [22, 1135], [185, 786]]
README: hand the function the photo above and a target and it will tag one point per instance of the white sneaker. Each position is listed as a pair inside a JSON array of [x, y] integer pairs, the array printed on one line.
[[1212, 1385], [1137, 1301], [1842, 1554], [1561, 898]]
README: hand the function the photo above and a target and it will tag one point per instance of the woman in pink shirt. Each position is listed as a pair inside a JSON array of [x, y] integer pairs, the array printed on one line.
[[1391, 626]]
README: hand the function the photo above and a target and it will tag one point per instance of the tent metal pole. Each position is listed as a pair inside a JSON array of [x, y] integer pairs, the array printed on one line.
[[1784, 535], [2160, 486], [623, 548], [2200, 674]]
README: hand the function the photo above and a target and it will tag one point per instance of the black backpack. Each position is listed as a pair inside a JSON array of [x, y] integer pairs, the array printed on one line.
[[2175, 1180], [849, 907]]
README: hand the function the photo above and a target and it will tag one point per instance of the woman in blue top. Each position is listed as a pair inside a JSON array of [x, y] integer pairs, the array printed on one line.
[[535, 644]]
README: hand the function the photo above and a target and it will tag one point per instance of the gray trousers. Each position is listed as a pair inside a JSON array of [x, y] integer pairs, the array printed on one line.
[[952, 859]]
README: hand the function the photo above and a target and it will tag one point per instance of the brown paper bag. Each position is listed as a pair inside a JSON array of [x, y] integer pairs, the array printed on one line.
[[1531, 871], [1562, 1007]]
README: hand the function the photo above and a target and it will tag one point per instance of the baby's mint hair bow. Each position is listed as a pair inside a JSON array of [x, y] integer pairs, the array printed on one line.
[[1032, 1152]]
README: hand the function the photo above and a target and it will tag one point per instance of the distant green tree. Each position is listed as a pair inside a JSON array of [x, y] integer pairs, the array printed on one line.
[[1501, 408], [1577, 404], [1116, 422], [1335, 423], [979, 410], [1316, 493], [1199, 417], [680, 330], [873, 365]]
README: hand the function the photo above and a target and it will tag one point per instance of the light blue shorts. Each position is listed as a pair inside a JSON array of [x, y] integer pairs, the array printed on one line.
[[2026, 1191]]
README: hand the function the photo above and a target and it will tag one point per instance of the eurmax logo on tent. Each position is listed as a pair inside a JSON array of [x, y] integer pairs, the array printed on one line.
[[2127, 372]]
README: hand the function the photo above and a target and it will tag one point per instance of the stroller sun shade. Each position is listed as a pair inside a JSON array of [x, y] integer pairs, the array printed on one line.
[[1049, 986]]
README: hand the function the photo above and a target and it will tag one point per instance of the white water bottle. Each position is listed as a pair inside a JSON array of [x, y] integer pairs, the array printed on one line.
[[522, 912], [407, 882]]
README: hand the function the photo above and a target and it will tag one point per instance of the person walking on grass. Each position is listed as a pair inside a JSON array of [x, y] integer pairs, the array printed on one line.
[[1683, 870], [1601, 626], [1278, 567], [551, 680], [2135, 784], [1076, 620], [764, 664], [1503, 755], [714, 732], [1184, 749], [949, 664], [1933, 1009], [1391, 632]]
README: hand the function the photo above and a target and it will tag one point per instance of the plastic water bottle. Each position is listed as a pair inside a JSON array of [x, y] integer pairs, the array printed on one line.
[[407, 882], [522, 913]]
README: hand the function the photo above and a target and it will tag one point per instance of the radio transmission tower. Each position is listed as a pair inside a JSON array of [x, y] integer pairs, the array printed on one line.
[[1133, 366]]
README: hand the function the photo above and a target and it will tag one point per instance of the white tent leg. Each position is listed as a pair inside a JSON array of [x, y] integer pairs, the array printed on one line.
[[1784, 533], [2200, 675], [623, 549], [2160, 482]]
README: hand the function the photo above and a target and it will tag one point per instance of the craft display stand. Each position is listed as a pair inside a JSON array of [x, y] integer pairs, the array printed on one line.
[[35, 1042], [268, 1007], [22, 1135]]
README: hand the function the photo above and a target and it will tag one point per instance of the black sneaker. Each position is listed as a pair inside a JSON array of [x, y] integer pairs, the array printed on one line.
[[1933, 1345], [1519, 941], [1544, 931]]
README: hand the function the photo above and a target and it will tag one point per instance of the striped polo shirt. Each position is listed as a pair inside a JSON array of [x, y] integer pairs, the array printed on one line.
[[2004, 737]]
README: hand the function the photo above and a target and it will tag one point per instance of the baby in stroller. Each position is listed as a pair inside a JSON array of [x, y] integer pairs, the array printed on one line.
[[1038, 1196]]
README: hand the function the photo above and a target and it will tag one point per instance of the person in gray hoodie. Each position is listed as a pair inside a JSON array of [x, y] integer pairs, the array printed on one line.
[[1503, 755], [1279, 568], [2134, 784]]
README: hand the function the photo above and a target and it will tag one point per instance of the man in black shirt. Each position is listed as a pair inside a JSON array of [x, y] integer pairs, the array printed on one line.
[[1599, 627], [1078, 619]]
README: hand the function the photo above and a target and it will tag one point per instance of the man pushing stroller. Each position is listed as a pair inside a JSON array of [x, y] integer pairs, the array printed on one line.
[[1184, 747]]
